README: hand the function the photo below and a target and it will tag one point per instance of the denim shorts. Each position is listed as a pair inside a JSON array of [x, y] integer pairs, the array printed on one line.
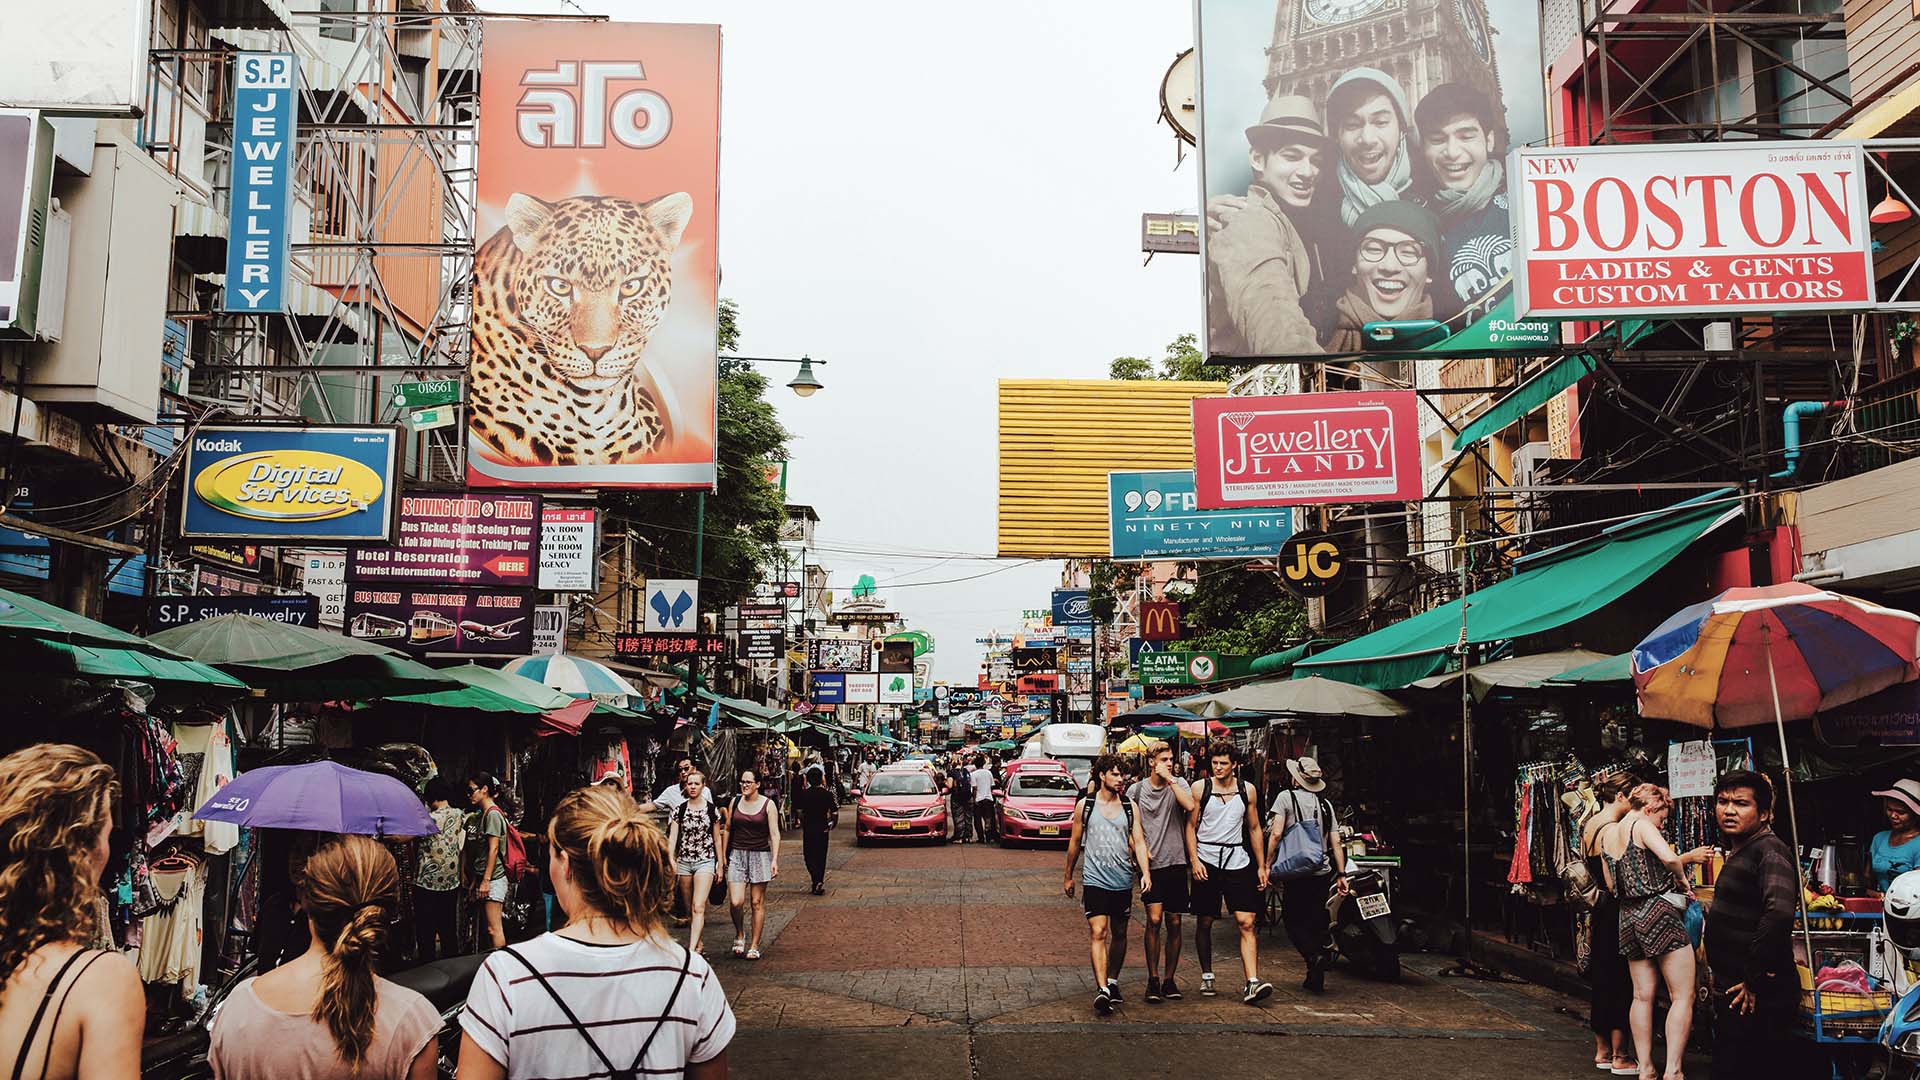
[[688, 869]]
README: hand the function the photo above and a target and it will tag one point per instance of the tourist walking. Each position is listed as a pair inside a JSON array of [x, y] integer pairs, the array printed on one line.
[[436, 882], [818, 814], [1304, 894], [609, 993], [490, 877], [1106, 826], [980, 781], [69, 1009], [1641, 870], [1611, 989], [326, 1015], [1223, 834], [1164, 802], [675, 793], [1749, 939], [959, 800], [753, 860], [697, 837]]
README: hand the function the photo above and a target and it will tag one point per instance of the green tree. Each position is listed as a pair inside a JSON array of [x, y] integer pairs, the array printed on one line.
[[743, 513], [1181, 361]]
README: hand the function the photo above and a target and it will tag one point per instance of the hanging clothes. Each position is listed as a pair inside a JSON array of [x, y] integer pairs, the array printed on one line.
[[170, 938], [206, 757], [610, 758], [1520, 869]]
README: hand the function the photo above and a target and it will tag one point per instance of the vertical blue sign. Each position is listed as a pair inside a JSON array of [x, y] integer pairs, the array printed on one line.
[[262, 182]]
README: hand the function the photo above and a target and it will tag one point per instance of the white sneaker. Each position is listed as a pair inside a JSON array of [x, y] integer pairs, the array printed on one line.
[[1206, 984]]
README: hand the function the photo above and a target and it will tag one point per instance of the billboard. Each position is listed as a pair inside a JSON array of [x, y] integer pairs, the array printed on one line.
[[430, 619], [896, 688], [595, 311], [1293, 449], [1071, 606], [457, 539], [282, 482], [862, 688], [1704, 229], [1353, 171], [324, 575], [1031, 661], [1160, 620], [839, 654], [263, 132], [1058, 440], [1154, 514], [89, 58], [568, 539], [828, 688]]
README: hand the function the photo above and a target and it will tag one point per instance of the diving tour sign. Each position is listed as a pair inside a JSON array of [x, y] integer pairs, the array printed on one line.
[[275, 483]]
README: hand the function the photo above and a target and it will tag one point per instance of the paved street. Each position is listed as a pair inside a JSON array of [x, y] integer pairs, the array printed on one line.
[[966, 961]]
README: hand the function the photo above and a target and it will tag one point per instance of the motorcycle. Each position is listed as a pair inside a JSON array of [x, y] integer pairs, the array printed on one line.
[[445, 983], [1363, 929]]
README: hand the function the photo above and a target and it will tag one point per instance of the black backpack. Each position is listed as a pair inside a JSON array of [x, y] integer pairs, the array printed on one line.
[[1200, 813], [1086, 814]]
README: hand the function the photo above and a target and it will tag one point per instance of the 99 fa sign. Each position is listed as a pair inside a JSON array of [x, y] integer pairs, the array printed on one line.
[[1311, 564]]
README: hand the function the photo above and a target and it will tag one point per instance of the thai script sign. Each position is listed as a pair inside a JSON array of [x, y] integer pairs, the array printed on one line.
[[1701, 229], [1290, 449]]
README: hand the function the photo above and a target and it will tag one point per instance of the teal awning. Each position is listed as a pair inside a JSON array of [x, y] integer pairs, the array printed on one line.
[[1525, 398], [1550, 590], [1612, 669], [1277, 663]]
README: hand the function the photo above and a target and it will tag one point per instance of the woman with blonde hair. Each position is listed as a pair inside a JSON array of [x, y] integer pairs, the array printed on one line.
[[699, 844], [609, 993], [326, 1015], [56, 807], [1647, 878]]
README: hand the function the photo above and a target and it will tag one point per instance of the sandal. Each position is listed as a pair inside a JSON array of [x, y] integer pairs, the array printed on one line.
[[739, 946], [753, 954]]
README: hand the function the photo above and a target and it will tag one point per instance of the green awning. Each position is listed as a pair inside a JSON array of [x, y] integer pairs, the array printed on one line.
[[1529, 396], [1612, 669], [176, 679], [1550, 590], [1277, 663]]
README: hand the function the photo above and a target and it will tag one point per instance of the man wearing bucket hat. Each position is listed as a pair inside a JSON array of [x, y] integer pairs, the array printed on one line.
[[1303, 900], [1896, 849], [1398, 244], [1263, 250]]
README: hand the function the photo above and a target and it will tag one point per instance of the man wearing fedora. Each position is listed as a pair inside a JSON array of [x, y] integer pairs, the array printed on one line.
[[1263, 250], [1303, 901]]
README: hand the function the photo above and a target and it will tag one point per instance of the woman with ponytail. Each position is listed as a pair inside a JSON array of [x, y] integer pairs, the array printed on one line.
[[326, 1015], [610, 993]]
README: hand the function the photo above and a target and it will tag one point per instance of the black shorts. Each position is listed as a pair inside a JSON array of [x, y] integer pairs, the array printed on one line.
[[1239, 888], [1113, 903], [1169, 890]]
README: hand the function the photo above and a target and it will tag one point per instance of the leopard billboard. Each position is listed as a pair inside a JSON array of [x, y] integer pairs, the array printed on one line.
[[595, 310]]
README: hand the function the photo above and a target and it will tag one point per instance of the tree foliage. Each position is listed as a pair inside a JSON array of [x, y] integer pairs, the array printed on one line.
[[743, 513], [1231, 610]]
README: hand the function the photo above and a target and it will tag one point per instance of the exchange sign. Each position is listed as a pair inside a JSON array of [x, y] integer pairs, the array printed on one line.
[[1293, 449], [1710, 228]]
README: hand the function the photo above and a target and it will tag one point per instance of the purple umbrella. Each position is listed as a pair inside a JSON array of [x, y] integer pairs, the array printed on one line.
[[321, 796]]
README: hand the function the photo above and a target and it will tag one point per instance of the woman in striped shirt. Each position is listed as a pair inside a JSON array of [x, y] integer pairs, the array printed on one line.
[[609, 994]]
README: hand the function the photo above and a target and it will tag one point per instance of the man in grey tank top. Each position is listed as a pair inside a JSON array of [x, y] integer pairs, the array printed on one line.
[[1106, 827], [1164, 801]]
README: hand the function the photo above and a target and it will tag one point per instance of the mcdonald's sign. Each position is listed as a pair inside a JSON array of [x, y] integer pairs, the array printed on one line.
[[1160, 621]]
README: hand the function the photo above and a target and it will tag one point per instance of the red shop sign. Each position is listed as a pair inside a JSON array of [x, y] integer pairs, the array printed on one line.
[[1294, 449]]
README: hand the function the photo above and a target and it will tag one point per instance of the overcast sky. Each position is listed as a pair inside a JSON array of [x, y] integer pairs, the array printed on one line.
[[930, 198]]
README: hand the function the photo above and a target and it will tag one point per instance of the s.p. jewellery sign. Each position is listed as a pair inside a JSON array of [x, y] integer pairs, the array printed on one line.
[[279, 483]]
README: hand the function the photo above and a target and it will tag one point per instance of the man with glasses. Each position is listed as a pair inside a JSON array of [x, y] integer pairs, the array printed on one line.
[[1392, 266], [673, 794]]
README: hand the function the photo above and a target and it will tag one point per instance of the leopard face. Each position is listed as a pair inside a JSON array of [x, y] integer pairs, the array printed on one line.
[[592, 277]]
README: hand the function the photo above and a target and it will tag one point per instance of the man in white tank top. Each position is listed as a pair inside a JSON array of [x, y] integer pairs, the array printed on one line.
[[1224, 834]]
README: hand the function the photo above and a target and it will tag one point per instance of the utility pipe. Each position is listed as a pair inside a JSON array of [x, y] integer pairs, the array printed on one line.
[[1790, 432]]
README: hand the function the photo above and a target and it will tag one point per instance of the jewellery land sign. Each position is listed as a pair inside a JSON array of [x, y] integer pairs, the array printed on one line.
[[1320, 167], [1296, 449], [279, 483], [457, 539], [166, 611], [1156, 515], [604, 136], [263, 140], [1703, 229], [569, 539], [442, 620]]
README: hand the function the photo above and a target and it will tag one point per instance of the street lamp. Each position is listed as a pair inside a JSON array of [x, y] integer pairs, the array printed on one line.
[[805, 383]]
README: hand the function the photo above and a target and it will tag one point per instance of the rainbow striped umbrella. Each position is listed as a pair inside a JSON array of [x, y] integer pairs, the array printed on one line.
[[1777, 653]]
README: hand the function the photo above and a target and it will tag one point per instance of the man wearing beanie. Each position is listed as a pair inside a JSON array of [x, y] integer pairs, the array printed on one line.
[[1263, 255], [1464, 184], [1398, 243], [1368, 113]]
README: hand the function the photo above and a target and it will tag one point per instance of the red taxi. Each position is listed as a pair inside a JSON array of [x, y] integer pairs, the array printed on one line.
[[1039, 801], [901, 804]]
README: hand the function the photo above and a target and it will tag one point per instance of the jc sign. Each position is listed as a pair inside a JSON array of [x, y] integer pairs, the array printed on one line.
[[1311, 564]]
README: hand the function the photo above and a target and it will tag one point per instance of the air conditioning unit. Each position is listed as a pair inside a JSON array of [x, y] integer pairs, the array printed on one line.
[[54, 259], [1529, 468], [26, 186]]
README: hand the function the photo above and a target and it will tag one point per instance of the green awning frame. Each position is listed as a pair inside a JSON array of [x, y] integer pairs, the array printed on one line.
[[1278, 663], [1525, 398], [1612, 669], [1549, 590]]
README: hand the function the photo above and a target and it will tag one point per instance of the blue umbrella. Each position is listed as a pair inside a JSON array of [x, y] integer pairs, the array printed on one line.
[[320, 796]]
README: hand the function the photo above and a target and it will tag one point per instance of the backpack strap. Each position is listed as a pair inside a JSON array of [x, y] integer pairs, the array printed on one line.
[[666, 1011], [567, 1010]]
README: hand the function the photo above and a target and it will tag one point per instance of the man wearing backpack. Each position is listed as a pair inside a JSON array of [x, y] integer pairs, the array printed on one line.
[[1165, 803], [1222, 836], [1107, 828], [1308, 867]]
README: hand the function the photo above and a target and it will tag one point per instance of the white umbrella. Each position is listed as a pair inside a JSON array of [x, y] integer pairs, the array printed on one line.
[[576, 676], [1314, 695]]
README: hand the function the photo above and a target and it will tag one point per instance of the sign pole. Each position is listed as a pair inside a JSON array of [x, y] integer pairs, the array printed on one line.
[[699, 571]]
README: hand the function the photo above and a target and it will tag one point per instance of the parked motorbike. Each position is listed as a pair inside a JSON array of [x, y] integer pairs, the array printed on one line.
[[1363, 929], [444, 983], [1900, 1032]]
